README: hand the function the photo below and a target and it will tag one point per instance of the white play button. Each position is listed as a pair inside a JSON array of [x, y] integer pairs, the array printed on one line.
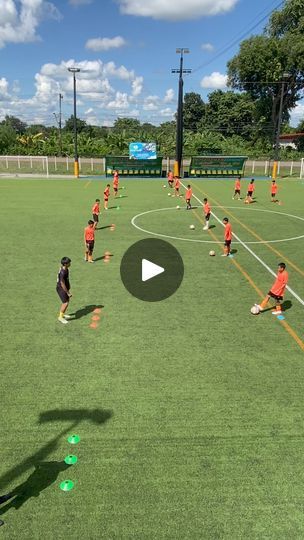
[[150, 270]]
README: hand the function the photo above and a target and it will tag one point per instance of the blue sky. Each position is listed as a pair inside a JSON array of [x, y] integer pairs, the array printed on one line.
[[125, 50]]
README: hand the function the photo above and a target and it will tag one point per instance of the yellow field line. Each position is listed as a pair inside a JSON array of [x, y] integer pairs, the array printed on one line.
[[287, 326], [274, 250], [88, 183]]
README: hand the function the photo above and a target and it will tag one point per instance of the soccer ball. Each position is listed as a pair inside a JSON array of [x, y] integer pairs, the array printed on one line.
[[169, 194], [212, 253], [255, 310], [164, 185], [192, 227], [177, 208]]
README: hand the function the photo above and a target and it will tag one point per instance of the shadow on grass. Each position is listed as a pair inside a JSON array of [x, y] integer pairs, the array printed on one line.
[[74, 417], [44, 475], [85, 311], [104, 227], [233, 251], [287, 304], [101, 259], [122, 196]]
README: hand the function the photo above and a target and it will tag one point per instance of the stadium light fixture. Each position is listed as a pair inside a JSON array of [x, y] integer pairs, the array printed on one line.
[[75, 70]]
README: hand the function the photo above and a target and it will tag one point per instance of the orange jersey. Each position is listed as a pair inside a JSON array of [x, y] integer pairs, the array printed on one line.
[[96, 209], [106, 193], [274, 188], [251, 188], [177, 183], [170, 176], [280, 283], [188, 194], [228, 232], [115, 181], [207, 208], [237, 185], [89, 234]]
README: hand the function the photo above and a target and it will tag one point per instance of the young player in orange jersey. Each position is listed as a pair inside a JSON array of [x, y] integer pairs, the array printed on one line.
[[177, 186], [89, 239], [96, 212], [106, 195], [170, 179], [237, 188], [227, 237], [274, 189], [188, 197], [250, 190], [277, 290], [115, 183], [207, 212]]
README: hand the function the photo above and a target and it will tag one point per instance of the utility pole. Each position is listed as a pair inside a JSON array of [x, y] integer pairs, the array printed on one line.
[[179, 120], [60, 123], [285, 78], [75, 70]]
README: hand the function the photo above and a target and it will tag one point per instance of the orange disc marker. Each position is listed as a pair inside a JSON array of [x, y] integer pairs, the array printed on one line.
[[95, 318]]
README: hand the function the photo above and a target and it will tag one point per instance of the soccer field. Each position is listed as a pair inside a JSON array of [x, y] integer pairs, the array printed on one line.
[[189, 410]]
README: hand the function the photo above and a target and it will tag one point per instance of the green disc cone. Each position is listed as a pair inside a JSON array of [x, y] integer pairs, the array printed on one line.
[[70, 460], [66, 485], [73, 439]]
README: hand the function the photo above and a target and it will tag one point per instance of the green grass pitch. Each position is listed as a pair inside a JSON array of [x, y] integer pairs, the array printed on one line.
[[190, 411]]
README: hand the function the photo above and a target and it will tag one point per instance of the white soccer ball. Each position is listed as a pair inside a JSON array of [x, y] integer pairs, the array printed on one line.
[[178, 207], [164, 185], [192, 227], [212, 253], [255, 310], [169, 194]]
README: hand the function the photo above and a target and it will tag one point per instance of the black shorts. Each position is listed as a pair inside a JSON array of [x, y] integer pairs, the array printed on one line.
[[275, 297], [207, 216], [237, 192], [106, 200], [188, 201], [273, 194], [95, 218], [64, 297], [177, 189], [115, 189], [249, 193], [90, 246], [227, 243]]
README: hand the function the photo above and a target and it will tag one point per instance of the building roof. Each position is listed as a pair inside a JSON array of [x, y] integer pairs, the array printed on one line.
[[291, 136]]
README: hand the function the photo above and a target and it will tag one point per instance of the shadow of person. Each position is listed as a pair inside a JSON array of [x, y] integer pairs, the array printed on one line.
[[44, 475], [287, 304], [85, 311], [102, 257]]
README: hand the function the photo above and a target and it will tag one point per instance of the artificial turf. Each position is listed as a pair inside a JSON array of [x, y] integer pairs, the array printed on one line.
[[190, 410]]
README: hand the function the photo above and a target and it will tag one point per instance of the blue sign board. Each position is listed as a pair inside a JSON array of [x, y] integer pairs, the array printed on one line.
[[140, 150]]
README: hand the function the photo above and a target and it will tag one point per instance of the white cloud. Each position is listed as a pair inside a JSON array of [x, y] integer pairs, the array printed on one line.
[[151, 103], [3, 89], [166, 112], [104, 44], [19, 19], [169, 96], [137, 86], [215, 80], [297, 114], [176, 10], [121, 72], [120, 101], [207, 47]]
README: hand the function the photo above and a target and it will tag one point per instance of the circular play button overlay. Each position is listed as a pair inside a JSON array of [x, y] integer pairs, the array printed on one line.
[[152, 270]]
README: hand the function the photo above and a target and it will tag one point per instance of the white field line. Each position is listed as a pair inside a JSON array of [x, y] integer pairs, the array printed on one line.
[[292, 292]]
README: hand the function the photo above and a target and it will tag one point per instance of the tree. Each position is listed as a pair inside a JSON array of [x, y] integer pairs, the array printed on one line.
[[7, 139], [80, 124], [193, 111], [129, 125], [259, 66], [15, 123]]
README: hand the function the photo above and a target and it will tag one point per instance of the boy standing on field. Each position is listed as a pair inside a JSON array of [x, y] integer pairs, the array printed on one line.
[[115, 183], [237, 188], [89, 239], [96, 212], [177, 186], [188, 197], [227, 237], [274, 189], [106, 195], [170, 179], [63, 288], [250, 190], [277, 290]]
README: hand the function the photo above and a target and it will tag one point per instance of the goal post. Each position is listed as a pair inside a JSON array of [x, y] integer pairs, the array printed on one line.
[[302, 169]]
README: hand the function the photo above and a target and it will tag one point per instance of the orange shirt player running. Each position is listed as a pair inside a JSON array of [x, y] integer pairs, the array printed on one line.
[[106, 195], [170, 179], [177, 186], [227, 237], [96, 212], [237, 188], [277, 290], [89, 238]]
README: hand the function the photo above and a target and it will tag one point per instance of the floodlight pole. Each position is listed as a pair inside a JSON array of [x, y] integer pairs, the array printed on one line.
[[179, 118], [60, 124], [285, 78], [75, 70]]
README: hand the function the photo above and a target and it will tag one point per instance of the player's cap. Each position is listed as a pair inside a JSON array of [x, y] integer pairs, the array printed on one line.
[[65, 260]]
